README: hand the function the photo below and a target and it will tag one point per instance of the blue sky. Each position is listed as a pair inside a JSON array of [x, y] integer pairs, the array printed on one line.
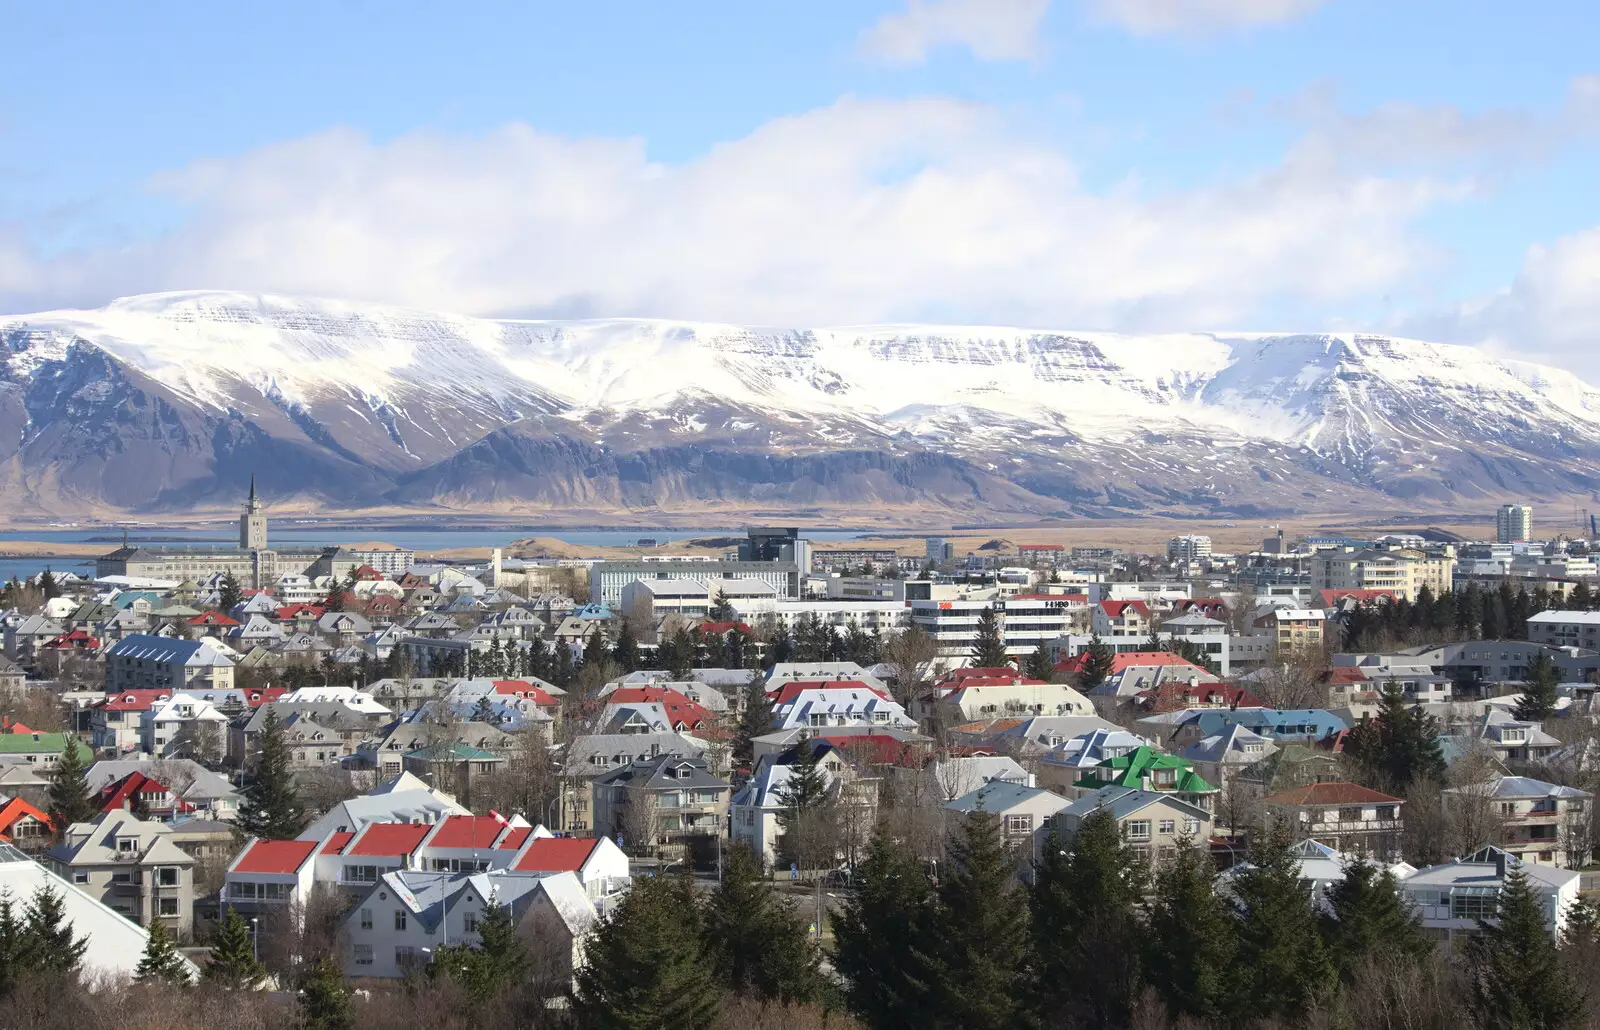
[[1424, 167]]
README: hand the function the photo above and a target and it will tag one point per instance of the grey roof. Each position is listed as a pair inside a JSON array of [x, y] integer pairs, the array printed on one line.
[[1125, 801], [168, 650], [1524, 787], [633, 746], [1001, 796], [100, 844], [664, 772], [205, 784], [9, 667]]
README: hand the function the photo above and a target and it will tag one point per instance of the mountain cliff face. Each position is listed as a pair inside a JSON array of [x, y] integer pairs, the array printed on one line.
[[171, 401]]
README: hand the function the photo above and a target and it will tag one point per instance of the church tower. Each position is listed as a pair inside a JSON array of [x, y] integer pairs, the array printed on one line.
[[253, 523]]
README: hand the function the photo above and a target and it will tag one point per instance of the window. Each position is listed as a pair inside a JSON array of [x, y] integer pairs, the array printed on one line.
[[405, 956], [399, 919], [366, 919], [1191, 827], [1349, 815], [364, 954], [1165, 826], [166, 906], [1138, 829], [79, 876], [1474, 906], [1141, 852], [469, 922], [360, 874], [1019, 824], [167, 876]]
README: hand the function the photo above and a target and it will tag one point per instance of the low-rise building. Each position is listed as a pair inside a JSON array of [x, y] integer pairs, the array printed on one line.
[[1345, 816], [1453, 899], [1152, 823], [132, 865], [661, 803], [1024, 813], [1541, 823], [141, 661]]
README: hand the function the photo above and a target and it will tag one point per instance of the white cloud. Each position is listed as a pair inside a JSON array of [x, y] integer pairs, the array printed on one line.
[[1197, 17], [859, 211], [994, 30]]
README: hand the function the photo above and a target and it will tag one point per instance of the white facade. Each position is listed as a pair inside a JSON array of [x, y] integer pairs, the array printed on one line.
[[1191, 547], [162, 724], [822, 707], [784, 614], [1513, 524], [1451, 898]]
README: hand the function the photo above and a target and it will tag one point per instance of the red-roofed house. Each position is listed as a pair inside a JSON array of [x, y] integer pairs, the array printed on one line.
[[790, 689], [136, 792], [1352, 598], [115, 722], [682, 714], [388, 840], [268, 874], [458, 841], [514, 838], [1345, 816], [25, 826], [1177, 695], [1120, 619], [1133, 672], [600, 865]]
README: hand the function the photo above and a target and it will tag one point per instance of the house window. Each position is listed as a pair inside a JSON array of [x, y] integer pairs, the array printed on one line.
[[366, 919], [1165, 826], [1141, 852], [1474, 906], [1191, 827], [1019, 824], [166, 906], [1349, 815], [470, 922], [399, 919], [1139, 829], [405, 956], [364, 954]]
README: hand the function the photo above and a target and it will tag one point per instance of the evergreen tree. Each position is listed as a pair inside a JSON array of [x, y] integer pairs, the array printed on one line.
[[48, 585], [16, 957], [1515, 978], [1281, 967], [1398, 746], [887, 981], [70, 799], [161, 962], [1097, 663], [504, 955], [645, 967], [229, 595], [683, 655], [1581, 599], [979, 938], [55, 948], [800, 796], [270, 807], [1369, 920], [561, 671], [736, 649], [754, 720], [1085, 961], [1039, 665], [1190, 944], [233, 955], [756, 942], [988, 647], [721, 610], [595, 650], [1539, 696], [483, 711], [324, 998], [625, 652]]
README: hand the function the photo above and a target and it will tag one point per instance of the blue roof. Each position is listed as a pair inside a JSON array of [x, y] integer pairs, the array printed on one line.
[[156, 649]]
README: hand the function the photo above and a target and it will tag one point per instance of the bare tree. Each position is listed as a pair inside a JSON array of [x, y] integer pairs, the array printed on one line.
[[640, 823], [1293, 679], [913, 655], [526, 783]]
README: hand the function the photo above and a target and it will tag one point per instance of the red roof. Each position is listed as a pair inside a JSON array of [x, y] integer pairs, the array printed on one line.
[[874, 748], [290, 611], [275, 856], [723, 628], [128, 789], [257, 698], [792, 689], [7, 726], [1316, 794], [466, 831], [78, 638], [680, 710], [212, 619], [384, 602], [1117, 609], [17, 809], [980, 672], [366, 573], [1129, 660], [515, 837], [557, 854], [1175, 696], [1344, 674], [337, 841], [522, 688], [997, 681], [133, 700], [390, 839]]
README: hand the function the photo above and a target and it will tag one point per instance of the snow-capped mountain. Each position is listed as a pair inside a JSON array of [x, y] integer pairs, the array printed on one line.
[[171, 400]]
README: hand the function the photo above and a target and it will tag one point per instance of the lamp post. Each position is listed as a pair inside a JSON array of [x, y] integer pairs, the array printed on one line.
[[255, 950]]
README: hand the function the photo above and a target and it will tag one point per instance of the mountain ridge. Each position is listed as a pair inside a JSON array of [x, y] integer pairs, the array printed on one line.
[[164, 401]]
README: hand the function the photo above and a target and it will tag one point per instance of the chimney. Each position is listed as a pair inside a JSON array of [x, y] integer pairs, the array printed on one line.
[[1499, 864]]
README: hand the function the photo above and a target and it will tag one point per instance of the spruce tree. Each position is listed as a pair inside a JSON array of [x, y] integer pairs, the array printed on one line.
[[1515, 977], [1369, 920], [1097, 663], [754, 938], [722, 610], [324, 998], [988, 646], [229, 596], [1085, 961], [1539, 696], [887, 982], [1039, 665], [802, 794], [979, 938], [625, 652], [161, 962], [1281, 966], [55, 948], [505, 957], [48, 585], [17, 959], [233, 955], [270, 807], [645, 967], [1190, 943], [70, 798], [755, 720], [1398, 746]]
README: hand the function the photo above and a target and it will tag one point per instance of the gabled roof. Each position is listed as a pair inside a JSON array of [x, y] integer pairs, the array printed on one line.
[[1128, 771], [557, 854], [1118, 609], [1002, 795], [276, 857], [514, 838], [1315, 795], [466, 831], [337, 841], [389, 840], [17, 809]]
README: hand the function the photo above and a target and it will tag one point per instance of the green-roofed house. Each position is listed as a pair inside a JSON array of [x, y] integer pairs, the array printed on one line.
[[1145, 768], [41, 750], [452, 767]]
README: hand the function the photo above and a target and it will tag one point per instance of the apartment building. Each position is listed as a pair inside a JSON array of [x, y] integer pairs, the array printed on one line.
[[140, 661], [1513, 524], [1542, 823], [1345, 816], [1565, 629], [1401, 572], [131, 865]]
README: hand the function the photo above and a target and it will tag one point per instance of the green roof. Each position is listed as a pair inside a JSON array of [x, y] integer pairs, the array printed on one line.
[[32, 743], [1128, 771], [456, 751]]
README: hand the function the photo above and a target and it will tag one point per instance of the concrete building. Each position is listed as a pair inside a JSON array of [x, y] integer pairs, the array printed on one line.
[[1345, 816], [1190, 547], [1401, 572], [1565, 629], [1152, 823], [1542, 823], [145, 662], [608, 578], [1452, 898], [132, 866], [1513, 524]]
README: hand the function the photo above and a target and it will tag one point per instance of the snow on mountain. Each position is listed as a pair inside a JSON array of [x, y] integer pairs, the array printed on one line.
[[388, 401]]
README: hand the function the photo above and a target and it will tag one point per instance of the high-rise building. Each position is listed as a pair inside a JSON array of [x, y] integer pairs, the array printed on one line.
[[939, 550], [1513, 524], [1190, 547]]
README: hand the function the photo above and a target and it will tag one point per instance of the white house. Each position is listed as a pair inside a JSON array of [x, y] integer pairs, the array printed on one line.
[[182, 715], [1543, 823], [1451, 898], [839, 705], [1024, 812]]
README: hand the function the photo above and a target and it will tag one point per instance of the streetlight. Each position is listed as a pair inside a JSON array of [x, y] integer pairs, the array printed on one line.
[[255, 950]]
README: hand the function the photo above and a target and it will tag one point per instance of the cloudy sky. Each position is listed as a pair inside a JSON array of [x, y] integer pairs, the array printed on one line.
[[1426, 167]]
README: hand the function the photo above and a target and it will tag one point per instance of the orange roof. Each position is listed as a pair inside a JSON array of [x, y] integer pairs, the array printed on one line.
[[1316, 794], [337, 841], [390, 839], [530, 690], [212, 619], [275, 856], [17, 809], [466, 831], [1129, 660], [7, 726], [515, 837], [557, 854]]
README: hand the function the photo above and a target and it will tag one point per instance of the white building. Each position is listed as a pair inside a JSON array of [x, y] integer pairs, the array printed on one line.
[[784, 614], [1513, 523], [838, 704], [186, 723], [1451, 898], [607, 578], [1565, 629], [1190, 547]]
